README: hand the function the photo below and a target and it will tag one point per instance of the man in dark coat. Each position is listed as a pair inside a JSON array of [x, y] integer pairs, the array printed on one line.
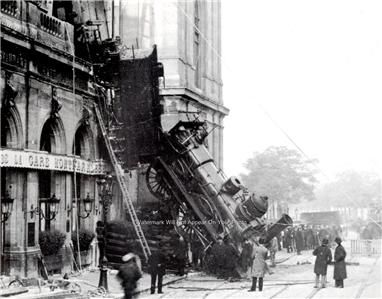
[[299, 241], [323, 258], [217, 252], [339, 265], [157, 269], [245, 259], [181, 255], [309, 238], [230, 260], [288, 240], [197, 252], [129, 273]]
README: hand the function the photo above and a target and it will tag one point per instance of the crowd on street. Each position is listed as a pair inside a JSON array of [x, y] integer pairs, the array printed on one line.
[[222, 259]]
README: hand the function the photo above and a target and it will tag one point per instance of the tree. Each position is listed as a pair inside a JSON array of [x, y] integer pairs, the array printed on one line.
[[352, 189], [280, 173]]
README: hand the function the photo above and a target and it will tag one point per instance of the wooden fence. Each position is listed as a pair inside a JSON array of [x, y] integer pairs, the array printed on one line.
[[366, 247]]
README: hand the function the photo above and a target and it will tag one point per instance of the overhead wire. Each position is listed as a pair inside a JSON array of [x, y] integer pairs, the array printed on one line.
[[266, 112]]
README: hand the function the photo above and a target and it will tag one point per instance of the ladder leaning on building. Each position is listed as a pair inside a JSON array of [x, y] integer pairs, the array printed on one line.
[[122, 184]]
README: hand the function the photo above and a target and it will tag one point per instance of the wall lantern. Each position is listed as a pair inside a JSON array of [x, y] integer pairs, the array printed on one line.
[[6, 206], [52, 206], [88, 206]]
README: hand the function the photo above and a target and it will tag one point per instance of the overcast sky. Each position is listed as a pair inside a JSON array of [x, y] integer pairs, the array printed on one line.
[[316, 68]]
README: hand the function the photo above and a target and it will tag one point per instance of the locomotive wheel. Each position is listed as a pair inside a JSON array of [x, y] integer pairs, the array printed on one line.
[[211, 214], [187, 224], [156, 183]]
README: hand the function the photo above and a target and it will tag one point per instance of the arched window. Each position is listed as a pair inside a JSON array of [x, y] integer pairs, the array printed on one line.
[[52, 140], [197, 44]]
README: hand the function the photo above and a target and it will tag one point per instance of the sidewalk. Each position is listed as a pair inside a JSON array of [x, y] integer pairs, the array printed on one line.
[[88, 280]]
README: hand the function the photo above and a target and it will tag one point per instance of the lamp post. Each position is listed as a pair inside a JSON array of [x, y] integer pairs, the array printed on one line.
[[6, 207], [105, 186], [6, 210]]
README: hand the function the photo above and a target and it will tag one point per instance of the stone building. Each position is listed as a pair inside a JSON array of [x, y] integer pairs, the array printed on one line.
[[188, 37], [52, 153], [50, 142]]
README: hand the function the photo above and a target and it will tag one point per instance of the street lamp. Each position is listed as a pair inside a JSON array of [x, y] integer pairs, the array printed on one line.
[[6, 206], [105, 190], [88, 206], [52, 205]]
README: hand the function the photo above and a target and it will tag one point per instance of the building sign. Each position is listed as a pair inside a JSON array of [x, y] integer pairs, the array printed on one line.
[[45, 161]]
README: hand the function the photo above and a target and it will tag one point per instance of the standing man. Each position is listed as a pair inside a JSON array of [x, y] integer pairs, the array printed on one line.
[[323, 258], [217, 252], [129, 273], [339, 265], [288, 240], [230, 260], [299, 241], [157, 268], [272, 250], [197, 251], [180, 255], [259, 265], [245, 259]]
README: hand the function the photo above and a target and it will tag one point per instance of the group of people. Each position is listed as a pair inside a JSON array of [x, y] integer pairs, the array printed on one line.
[[223, 260], [130, 271], [302, 237], [324, 257]]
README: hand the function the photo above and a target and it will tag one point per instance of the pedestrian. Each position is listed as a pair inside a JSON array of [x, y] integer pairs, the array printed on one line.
[[245, 259], [197, 252], [129, 273], [180, 255], [217, 261], [323, 258], [259, 265], [230, 260], [157, 268], [339, 264], [273, 246], [309, 238], [299, 241], [288, 240]]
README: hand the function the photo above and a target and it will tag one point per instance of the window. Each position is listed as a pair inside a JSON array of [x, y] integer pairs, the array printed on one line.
[[197, 44]]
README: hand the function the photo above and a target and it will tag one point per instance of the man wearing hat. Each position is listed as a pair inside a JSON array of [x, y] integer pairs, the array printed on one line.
[[339, 265], [218, 257], [157, 268], [323, 258], [129, 273]]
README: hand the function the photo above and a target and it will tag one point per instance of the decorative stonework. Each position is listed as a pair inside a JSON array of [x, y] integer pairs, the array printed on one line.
[[10, 92], [55, 104]]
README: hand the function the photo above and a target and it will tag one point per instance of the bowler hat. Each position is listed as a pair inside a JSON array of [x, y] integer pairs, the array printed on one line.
[[337, 240], [128, 257]]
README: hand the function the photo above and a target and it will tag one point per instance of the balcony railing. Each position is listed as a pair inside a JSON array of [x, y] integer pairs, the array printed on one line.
[[44, 28], [51, 25], [10, 8]]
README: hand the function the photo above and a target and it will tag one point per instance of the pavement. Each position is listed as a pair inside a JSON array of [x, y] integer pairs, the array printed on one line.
[[293, 278], [89, 279]]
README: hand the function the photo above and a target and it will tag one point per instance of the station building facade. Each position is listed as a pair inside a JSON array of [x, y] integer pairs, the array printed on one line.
[[51, 151]]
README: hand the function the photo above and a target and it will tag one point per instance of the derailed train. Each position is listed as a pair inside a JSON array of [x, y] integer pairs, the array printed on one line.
[[204, 201], [182, 174]]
